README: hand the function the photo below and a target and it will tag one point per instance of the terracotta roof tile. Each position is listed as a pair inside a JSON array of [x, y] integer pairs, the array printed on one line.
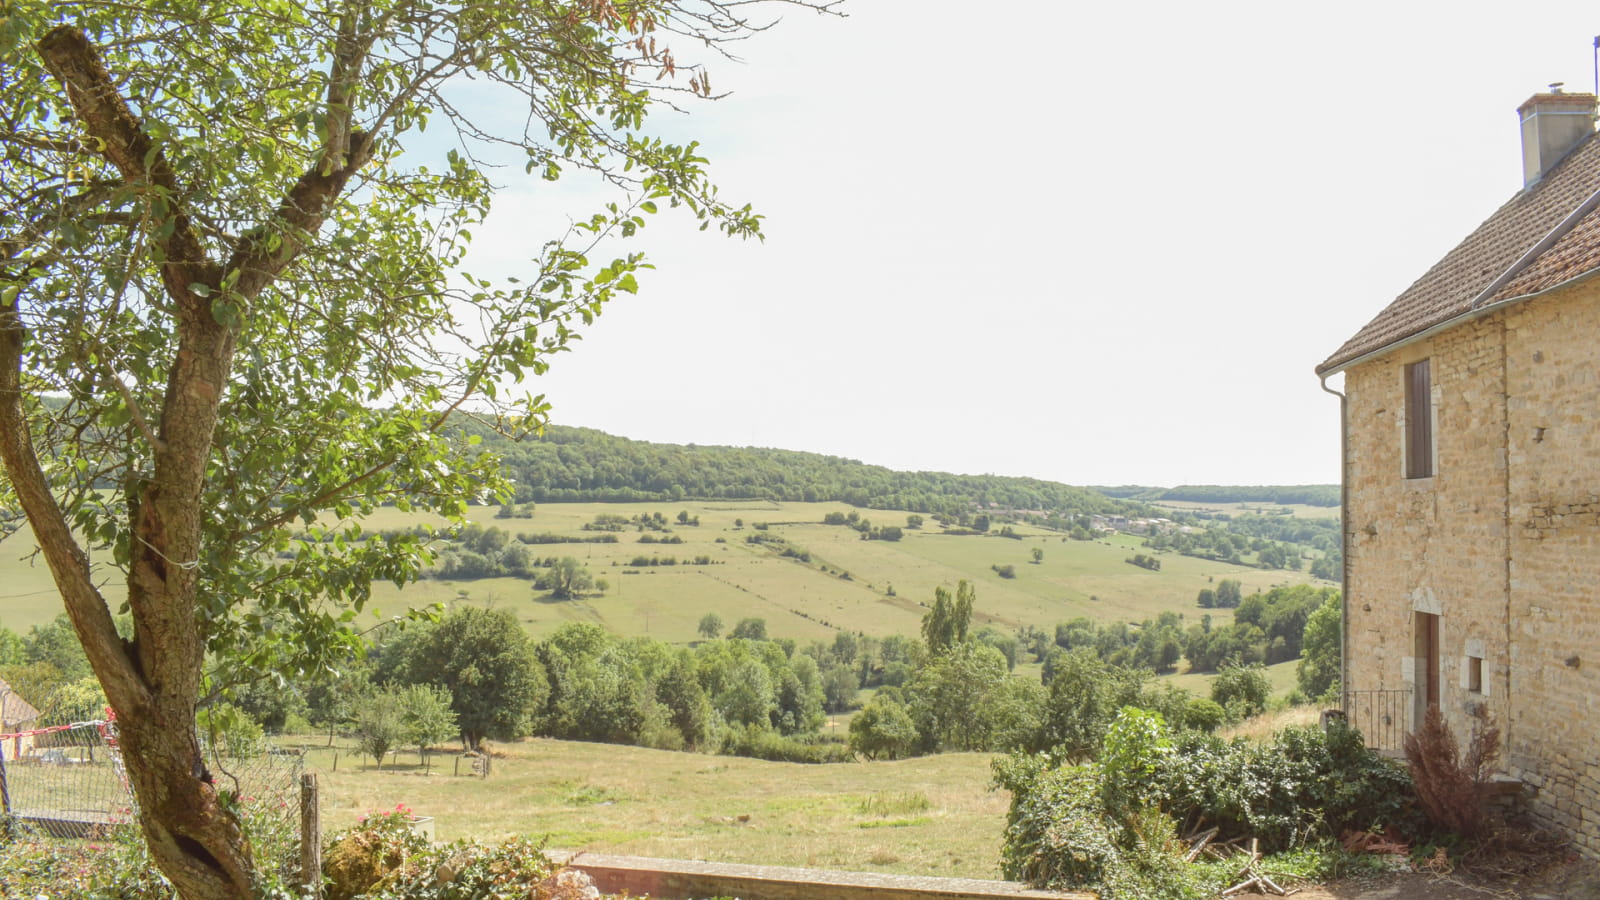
[[1448, 289]]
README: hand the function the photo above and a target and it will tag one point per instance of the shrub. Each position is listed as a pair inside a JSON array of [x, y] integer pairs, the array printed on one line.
[[384, 858], [1450, 789], [1112, 825], [231, 731], [1305, 782], [883, 730], [1241, 690], [1132, 754], [760, 743], [114, 869], [1204, 715], [358, 859], [1056, 832]]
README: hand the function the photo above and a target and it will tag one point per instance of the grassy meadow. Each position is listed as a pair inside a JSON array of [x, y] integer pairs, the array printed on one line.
[[928, 816], [875, 587]]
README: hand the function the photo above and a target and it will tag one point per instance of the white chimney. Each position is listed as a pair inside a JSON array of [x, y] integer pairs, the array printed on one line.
[[1552, 124]]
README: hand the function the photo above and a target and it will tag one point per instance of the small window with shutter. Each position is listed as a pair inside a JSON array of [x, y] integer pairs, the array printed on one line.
[[1419, 420]]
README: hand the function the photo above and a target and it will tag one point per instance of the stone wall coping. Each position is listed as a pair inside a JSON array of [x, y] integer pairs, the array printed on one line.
[[688, 878]]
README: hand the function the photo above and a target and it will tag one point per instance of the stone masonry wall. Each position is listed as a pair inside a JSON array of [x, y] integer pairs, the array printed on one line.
[[1553, 366], [1502, 543]]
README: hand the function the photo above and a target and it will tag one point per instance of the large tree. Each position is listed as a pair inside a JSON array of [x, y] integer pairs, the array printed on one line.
[[232, 319]]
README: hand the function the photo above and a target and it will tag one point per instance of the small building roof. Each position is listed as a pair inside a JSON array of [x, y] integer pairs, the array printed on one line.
[[13, 709], [1498, 248]]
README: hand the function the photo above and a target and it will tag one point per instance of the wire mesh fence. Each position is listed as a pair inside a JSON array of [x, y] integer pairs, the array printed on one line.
[[64, 782], [68, 782]]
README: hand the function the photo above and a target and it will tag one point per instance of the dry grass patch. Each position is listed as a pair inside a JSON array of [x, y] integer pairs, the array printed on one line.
[[1264, 726], [930, 816]]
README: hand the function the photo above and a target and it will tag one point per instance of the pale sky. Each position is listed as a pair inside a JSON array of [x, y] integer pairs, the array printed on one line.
[[1092, 243]]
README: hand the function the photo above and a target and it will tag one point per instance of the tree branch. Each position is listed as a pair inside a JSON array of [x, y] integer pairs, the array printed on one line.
[[121, 140], [260, 256], [68, 564]]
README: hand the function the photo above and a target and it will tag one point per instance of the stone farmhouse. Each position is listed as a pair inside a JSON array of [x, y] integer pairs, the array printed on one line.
[[1471, 428]]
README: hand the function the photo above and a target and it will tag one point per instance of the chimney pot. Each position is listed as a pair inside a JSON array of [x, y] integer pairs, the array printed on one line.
[[1552, 124]]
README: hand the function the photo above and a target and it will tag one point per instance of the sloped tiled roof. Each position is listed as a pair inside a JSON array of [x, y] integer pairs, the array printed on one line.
[[1448, 289], [13, 709]]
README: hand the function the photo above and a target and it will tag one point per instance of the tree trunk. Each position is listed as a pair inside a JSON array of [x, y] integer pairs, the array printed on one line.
[[153, 682]]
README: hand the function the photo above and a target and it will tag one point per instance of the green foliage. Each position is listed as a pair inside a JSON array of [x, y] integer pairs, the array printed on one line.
[[760, 743], [358, 861], [1305, 783], [379, 725], [1084, 696], [578, 464], [426, 714], [883, 730], [1135, 744], [565, 580], [1318, 672], [945, 625], [965, 699], [1308, 494], [1057, 835], [1111, 826], [484, 659], [510, 870], [1205, 714], [1228, 593], [1241, 690], [750, 629], [1005, 571], [1144, 561], [710, 626], [230, 731]]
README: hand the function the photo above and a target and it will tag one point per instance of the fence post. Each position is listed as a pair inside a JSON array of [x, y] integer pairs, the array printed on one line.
[[5, 790], [310, 836]]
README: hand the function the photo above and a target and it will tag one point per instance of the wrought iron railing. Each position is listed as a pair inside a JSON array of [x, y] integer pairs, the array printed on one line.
[[1382, 717]]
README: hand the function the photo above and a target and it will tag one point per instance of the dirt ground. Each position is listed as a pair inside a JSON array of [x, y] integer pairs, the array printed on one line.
[[1570, 879]]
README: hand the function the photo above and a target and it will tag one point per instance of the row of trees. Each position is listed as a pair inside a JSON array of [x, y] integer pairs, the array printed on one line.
[[950, 689], [580, 464], [1268, 628], [1223, 545]]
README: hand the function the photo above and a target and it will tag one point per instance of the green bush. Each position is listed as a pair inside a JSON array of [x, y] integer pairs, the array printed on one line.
[[1056, 831], [1241, 690], [1204, 715], [384, 858], [115, 869], [514, 868], [1305, 783], [1111, 826], [1060, 836], [760, 743]]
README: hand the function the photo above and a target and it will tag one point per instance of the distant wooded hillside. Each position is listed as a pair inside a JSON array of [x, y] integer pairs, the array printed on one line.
[[584, 465], [1307, 494]]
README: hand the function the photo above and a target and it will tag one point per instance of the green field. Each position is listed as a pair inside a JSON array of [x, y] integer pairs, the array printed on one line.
[[928, 816], [1280, 675], [846, 585], [812, 600]]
